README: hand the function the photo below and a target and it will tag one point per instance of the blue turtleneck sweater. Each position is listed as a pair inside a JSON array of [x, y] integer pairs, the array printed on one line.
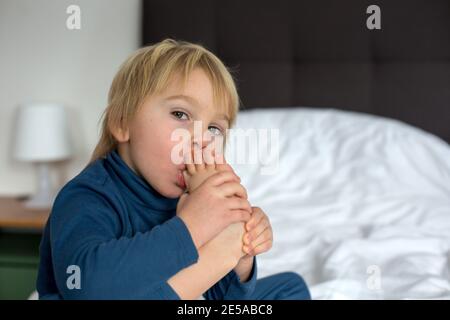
[[110, 235]]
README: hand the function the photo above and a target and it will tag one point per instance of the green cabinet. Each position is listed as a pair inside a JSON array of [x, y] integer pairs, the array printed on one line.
[[19, 260]]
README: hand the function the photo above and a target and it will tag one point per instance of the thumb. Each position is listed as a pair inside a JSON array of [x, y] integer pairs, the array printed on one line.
[[181, 200]]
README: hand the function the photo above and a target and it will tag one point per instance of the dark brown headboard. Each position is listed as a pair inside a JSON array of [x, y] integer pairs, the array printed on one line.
[[319, 53]]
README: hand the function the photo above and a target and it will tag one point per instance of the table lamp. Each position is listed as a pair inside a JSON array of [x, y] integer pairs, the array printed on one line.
[[42, 136]]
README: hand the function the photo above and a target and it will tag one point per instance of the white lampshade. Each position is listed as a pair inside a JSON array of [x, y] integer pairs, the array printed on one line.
[[42, 133]]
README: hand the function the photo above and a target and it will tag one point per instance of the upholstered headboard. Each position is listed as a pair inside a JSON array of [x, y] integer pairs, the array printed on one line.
[[319, 53]]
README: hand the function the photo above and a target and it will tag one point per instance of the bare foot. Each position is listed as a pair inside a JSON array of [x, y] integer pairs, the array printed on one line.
[[196, 173], [208, 163]]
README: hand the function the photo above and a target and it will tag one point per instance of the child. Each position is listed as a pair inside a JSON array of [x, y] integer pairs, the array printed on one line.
[[135, 225]]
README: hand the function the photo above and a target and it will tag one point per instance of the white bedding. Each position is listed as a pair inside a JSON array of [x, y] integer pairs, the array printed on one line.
[[360, 205]]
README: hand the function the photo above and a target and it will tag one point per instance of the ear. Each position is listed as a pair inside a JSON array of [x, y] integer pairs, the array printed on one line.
[[121, 134]]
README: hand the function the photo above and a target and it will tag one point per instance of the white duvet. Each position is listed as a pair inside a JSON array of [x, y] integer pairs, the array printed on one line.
[[360, 205]]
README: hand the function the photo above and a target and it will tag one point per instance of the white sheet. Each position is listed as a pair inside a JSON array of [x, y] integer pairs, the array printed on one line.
[[360, 205]]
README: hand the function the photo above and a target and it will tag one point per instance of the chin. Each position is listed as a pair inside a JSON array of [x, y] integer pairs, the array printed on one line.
[[172, 191]]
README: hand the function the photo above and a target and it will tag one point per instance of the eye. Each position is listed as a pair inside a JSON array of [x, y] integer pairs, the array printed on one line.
[[215, 130], [180, 115]]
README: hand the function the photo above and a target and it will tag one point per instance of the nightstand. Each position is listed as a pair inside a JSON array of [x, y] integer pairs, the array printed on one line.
[[20, 234]]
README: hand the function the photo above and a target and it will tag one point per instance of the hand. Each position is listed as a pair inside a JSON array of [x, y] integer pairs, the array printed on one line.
[[213, 206], [259, 236]]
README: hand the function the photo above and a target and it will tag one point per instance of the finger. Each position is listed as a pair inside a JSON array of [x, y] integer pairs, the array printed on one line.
[[264, 236], [258, 229], [247, 250], [246, 239], [257, 216], [238, 216], [239, 203], [229, 189], [264, 247], [221, 177]]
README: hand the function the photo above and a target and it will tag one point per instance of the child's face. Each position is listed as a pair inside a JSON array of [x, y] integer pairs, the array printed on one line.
[[147, 145]]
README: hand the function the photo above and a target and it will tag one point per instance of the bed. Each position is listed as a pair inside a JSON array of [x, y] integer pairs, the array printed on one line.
[[360, 204], [360, 195]]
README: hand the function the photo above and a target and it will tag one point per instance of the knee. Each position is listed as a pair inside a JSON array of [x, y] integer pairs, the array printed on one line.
[[292, 277], [297, 284]]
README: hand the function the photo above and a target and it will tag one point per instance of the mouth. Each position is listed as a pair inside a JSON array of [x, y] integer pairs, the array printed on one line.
[[180, 180]]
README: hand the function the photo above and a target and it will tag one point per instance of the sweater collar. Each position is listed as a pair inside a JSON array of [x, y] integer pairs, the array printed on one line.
[[136, 187]]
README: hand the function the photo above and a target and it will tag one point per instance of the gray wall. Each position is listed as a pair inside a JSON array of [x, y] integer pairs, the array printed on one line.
[[41, 60]]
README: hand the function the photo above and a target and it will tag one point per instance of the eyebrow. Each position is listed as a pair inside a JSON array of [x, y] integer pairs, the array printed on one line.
[[194, 101], [223, 117], [183, 97]]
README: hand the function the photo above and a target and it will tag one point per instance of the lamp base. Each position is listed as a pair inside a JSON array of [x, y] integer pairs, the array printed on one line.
[[39, 201], [45, 195]]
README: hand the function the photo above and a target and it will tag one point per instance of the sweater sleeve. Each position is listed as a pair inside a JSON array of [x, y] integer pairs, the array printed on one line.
[[230, 287], [84, 233]]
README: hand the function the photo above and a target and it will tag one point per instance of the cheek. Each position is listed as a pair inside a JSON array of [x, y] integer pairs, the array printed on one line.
[[155, 143], [165, 142]]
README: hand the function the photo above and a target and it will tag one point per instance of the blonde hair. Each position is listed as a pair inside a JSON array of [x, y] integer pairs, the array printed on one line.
[[148, 71]]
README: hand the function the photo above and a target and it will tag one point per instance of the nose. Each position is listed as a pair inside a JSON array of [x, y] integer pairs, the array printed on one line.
[[201, 136], [202, 143]]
